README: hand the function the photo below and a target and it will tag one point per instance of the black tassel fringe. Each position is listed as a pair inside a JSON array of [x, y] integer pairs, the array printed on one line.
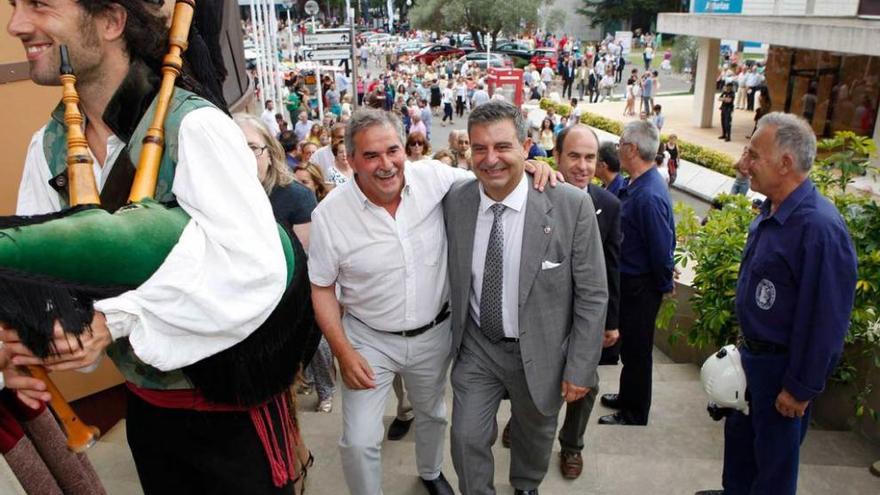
[[265, 363]]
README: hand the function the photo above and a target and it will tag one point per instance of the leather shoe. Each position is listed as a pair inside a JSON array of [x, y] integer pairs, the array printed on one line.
[[611, 401], [525, 492], [505, 436], [438, 486], [710, 492], [571, 464], [398, 429], [615, 419]]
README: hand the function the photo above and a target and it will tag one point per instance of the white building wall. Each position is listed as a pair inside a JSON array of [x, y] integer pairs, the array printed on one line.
[[835, 8], [842, 8], [759, 7]]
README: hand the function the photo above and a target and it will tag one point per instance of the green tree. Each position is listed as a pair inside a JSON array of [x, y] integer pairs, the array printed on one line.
[[634, 13], [491, 17]]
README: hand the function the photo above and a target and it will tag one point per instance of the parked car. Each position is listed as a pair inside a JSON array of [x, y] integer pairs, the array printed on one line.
[[515, 49], [467, 46], [544, 56], [478, 60], [431, 53], [411, 47]]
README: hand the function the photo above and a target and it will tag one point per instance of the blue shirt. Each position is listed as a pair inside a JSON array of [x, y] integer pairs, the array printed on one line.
[[615, 185], [536, 150], [648, 229], [797, 284]]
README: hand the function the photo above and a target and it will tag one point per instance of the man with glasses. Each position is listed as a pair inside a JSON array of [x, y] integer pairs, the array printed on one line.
[[646, 267]]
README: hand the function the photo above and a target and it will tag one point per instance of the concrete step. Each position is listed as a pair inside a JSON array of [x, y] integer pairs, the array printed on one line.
[[679, 452]]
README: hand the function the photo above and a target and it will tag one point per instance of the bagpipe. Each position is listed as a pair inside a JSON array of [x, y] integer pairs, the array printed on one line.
[[54, 267]]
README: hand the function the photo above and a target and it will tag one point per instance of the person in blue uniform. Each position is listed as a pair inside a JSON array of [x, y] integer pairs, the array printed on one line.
[[793, 300], [646, 267]]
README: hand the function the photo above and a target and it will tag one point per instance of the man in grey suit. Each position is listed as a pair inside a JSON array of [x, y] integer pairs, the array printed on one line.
[[529, 296]]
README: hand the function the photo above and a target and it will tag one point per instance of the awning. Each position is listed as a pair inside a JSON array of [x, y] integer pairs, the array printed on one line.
[[833, 34]]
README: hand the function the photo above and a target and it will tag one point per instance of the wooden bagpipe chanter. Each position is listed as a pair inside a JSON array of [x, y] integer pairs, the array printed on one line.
[[54, 267]]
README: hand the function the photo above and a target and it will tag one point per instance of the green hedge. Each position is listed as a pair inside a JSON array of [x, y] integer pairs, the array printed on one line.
[[700, 155]]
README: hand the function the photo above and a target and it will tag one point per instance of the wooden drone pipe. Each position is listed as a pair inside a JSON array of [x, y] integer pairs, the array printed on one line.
[[147, 175], [82, 188]]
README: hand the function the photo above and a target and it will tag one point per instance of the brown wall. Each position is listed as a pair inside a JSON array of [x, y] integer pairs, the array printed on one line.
[[25, 108]]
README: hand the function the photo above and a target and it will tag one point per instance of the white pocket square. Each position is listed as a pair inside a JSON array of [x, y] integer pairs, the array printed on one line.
[[548, 265]]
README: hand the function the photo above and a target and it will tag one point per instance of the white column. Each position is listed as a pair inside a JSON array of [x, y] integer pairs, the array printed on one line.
[[255, 32], [276, 63], [704, 87]]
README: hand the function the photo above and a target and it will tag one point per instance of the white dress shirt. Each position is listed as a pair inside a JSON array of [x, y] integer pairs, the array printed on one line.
[[226, 273], [390, 272], [513, 220], [268, 118]]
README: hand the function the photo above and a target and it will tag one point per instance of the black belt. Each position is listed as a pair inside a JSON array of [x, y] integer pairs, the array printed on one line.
[[441, 317], [509, 339], [762, 347]]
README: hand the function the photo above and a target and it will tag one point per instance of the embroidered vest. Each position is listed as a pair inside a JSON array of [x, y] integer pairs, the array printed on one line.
[[114, 195]]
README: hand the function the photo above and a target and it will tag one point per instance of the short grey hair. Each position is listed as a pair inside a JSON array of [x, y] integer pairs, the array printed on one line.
[[645, 136], [365, 118], [793, 135], [498, 110]]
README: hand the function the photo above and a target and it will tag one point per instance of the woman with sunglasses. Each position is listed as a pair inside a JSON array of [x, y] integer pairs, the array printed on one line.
[[417, 147]]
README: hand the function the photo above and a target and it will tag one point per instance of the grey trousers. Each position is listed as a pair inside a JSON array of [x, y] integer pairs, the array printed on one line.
[[483, 374], [422, 362], [577, 416]]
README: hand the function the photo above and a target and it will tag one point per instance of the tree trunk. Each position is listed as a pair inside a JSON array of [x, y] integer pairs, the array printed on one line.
[[476, 39]]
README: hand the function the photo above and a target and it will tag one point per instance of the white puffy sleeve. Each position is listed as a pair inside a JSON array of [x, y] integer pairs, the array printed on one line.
[[227, 272]]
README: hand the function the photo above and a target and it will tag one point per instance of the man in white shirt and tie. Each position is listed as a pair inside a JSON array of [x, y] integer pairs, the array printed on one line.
[[528, 299], [380, 238]]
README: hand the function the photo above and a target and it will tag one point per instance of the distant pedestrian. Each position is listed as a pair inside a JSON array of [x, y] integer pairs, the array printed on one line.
[[727, 97], [658, 119]]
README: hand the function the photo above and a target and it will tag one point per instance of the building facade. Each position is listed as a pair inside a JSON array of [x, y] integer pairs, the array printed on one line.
[[822, 51]]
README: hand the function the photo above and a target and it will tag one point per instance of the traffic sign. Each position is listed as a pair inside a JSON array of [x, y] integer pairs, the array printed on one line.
[[332, 54], [332, 38], [311, 7]]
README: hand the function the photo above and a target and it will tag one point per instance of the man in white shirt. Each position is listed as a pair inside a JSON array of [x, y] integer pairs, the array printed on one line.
[[268, 118], [379, 240], [230, 247], [303, 126]]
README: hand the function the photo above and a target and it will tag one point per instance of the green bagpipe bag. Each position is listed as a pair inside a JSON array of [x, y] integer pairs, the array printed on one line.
[[55, 266]]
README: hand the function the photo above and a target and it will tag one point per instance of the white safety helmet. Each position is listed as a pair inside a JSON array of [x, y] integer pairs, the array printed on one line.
[[724, 379]]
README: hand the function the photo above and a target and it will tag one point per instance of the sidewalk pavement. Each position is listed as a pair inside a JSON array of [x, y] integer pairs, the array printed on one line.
[[678, 452]]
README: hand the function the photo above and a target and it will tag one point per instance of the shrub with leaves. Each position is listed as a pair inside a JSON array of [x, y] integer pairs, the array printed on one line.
[[717, 248]]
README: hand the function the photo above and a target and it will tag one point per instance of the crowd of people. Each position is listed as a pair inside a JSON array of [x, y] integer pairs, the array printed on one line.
[[479, 260]]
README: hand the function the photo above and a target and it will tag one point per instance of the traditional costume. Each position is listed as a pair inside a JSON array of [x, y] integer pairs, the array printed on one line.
[[205, 296]]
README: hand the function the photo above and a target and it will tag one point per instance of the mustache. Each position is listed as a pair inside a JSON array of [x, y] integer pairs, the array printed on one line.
[[385, 174], [488, 167]]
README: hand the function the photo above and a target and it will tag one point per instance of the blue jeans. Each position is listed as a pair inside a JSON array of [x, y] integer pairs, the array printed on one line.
[[761, 450], [740, 187]]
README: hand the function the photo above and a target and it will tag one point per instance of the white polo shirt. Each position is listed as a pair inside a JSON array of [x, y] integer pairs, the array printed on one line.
[[390, 272]]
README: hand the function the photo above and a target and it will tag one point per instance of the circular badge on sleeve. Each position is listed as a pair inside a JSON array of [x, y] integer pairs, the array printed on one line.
[[765, 294]]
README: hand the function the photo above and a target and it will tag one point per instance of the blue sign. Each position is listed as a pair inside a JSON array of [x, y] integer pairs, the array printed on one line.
[[718, 6]]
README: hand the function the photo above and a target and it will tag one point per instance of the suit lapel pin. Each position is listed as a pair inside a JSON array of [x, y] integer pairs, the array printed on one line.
[[547, 229]]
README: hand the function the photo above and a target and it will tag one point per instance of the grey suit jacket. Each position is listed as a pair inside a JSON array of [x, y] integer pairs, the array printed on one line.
[[561, 309]]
